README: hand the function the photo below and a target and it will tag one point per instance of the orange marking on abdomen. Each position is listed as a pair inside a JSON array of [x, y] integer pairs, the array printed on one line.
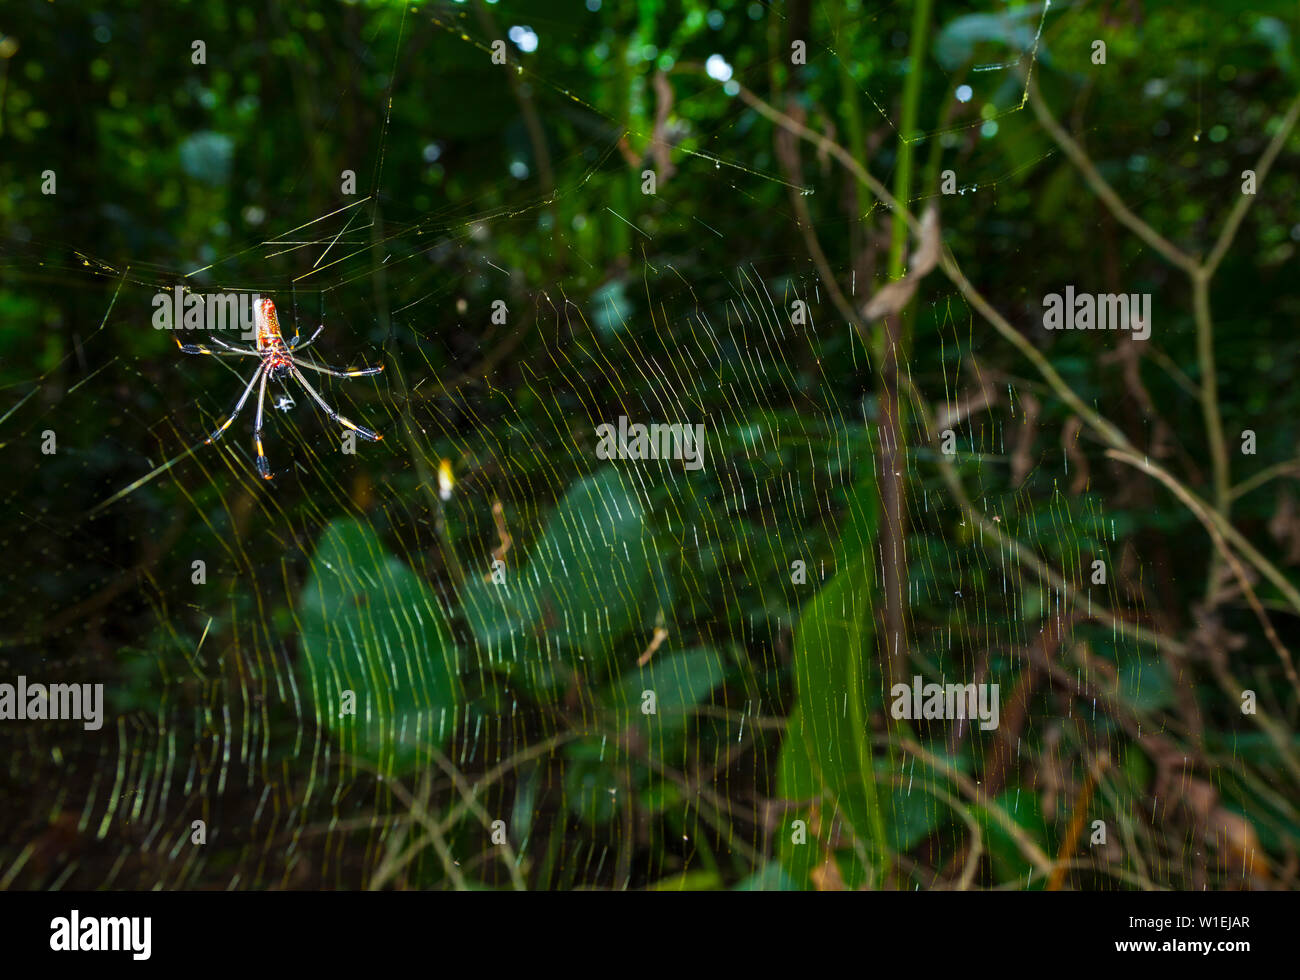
[[268, 326]]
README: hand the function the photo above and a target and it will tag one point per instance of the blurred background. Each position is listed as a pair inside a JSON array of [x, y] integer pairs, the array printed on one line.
[[539, 217]]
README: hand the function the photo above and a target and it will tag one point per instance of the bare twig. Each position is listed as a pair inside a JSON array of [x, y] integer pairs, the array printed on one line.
[[1102, 189], [1238, 212], [1290, 467], [1200, 272], [1207, 518]]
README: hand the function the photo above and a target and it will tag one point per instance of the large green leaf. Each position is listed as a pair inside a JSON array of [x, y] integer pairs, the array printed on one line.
[[370, 625], [588, 581], [680, 681], [825, 760]]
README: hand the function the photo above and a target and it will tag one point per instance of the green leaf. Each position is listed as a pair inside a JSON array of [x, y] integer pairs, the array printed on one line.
[[1022, 805], [659, 796], [1015, 29], [591, 784], [771, 877], [912, 815], [826, 755], [590, 577], [679, 681], [370, 625], [917, 806], [1144, 683], [689, 881], [496, 610]]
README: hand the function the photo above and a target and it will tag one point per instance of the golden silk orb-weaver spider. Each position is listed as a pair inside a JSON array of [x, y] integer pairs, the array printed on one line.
[[278, 363]]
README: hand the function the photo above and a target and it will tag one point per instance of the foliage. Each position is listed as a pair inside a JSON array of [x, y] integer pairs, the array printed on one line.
[[501, 634]]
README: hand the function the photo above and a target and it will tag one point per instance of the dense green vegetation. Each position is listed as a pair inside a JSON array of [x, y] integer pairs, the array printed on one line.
[[825, 232]]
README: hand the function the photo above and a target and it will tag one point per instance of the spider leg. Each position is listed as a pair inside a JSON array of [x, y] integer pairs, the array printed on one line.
[[339, 372], [205, 349], [359, 430], [260, 372], [263, 467], [295, 346], [228, 346]]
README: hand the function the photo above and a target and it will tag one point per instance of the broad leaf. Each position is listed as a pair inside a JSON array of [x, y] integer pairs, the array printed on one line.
[[588, 581], [371, 626], [679, 682], [825, 764]]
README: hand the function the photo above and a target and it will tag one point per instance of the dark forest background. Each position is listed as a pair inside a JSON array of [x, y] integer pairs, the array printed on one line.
[[799, 154]]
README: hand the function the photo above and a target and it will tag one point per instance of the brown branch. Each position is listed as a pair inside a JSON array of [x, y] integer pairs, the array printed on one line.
[[1238, 213], [1204, 515], [1200, 273], [1109, 433], [1023, 554], [1102, 189]]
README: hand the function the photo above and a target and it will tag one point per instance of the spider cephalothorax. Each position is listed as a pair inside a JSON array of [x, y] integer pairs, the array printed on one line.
[[278, 362], [278, 366]]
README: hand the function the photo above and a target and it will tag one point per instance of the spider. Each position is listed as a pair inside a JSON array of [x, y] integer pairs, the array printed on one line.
[[278, 363]]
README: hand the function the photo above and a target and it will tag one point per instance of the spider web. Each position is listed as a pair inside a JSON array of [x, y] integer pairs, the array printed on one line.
[[499, 629]]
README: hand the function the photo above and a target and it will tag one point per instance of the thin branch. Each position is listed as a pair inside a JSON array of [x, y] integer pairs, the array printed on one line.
[[829, 146], [1215, 522], [436, 838], [470, 795], [1110, 433], [1105, 429], [1025, 556], [1102, 189], [1210, 402], [1024, 843], [952, 270], [1200, 273], [1290, 467], [1239, 209], [496, 773], [789, 159]]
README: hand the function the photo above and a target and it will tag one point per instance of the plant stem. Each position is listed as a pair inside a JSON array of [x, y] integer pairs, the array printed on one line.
[[1210, 410], [907, 129], [891, 348]]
